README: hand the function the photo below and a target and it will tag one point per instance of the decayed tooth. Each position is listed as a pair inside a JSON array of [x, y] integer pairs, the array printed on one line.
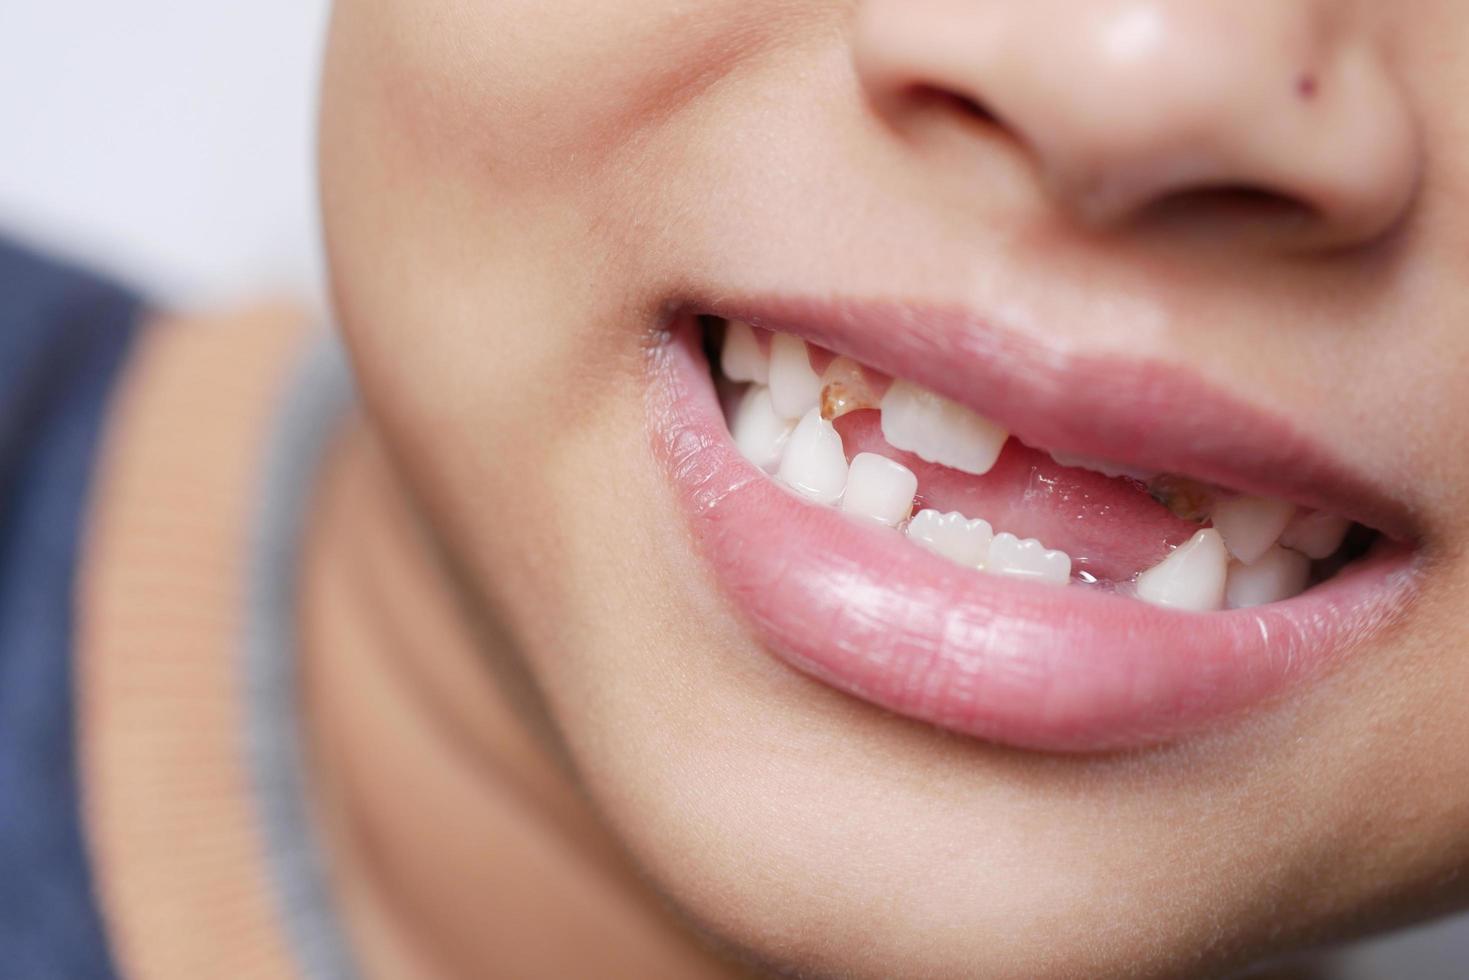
[[741, 358], [814, 464], [759, 432], [1185, 498], [879, 488], [1029, 558], [795, 388], [939, 430], [1316, 534], [1277, 574], [1192, 577], [1250, 525], [845, 388], [952, 535]]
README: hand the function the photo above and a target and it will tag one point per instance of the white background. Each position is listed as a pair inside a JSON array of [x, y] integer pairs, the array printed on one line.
[[167, 141], [170, 142]]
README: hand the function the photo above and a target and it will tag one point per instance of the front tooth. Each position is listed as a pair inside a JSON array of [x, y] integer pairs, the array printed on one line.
[[741, 358], [1250, 525], [1278, 574], [759, 431], [1029, 558], [814, 463], [1316, 534], [1192, 577], [953, 535], [880, 489], [939, 430], [845, 388], [795, 388]]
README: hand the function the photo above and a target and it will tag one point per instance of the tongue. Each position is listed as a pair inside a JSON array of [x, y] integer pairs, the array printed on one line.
[[1111, 528]]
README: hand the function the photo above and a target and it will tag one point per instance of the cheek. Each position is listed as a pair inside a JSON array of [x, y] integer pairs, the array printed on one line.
[[529, 91], [466, 152], [472, 156], [480, 162]]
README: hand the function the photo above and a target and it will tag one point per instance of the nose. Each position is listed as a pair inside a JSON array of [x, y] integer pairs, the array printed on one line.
[[1126, 105]]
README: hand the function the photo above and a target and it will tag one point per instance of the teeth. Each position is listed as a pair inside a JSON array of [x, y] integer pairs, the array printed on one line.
[[1278, 574], [1192, 577], [759, 432], [939, 430], [794, 387], [844, 389], [1101, 466], [1250, 525], [814, 463], [1029, 558], [880, 489], [1186, 498], [741, 358], [952, 535], [1316, 534], [1257, 551]]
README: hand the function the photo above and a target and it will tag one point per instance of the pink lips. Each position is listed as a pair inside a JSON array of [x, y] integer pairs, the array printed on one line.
[[1014, 662]]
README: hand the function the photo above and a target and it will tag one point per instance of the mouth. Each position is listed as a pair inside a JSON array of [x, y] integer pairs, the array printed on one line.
[[1016, 543]]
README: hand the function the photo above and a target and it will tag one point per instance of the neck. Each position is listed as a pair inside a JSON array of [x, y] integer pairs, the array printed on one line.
[[455, 835]]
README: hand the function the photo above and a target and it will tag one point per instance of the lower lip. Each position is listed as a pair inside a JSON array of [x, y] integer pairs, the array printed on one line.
[[1029, 665]]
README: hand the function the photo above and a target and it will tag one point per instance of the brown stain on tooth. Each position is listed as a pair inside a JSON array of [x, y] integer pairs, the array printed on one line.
[[837, 399], [1184, 498], [845, 389]]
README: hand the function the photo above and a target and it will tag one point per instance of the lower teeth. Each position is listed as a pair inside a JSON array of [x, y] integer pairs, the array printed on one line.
[[1257, 551]]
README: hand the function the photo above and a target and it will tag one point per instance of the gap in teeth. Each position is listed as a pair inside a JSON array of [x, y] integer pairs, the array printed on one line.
[[1249, 551]]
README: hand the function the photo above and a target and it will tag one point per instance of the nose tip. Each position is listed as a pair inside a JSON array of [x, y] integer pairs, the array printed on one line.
[[1124, 106]]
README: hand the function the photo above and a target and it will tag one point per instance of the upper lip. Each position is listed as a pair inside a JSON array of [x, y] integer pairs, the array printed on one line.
[[1160, 417]]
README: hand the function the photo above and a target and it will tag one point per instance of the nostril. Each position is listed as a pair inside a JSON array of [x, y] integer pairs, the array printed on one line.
[[1239, 204], [958, 103]]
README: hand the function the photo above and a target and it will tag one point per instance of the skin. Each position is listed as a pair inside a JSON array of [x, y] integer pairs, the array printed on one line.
[[515, 191]]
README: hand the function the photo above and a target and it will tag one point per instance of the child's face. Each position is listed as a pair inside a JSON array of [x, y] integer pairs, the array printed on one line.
[[1222, 239]]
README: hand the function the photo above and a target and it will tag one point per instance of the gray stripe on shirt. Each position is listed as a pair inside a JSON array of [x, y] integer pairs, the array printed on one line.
[[315, 403]]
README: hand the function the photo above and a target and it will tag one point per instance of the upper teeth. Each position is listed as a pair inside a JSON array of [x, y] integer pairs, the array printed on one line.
[[1101, 466], [795, 388], [941, 431], [1316, 534], [845, 389], [741, 358], [1250, 525]]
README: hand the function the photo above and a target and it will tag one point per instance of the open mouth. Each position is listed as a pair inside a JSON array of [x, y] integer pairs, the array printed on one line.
[[840, 434], [1009, 569]]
